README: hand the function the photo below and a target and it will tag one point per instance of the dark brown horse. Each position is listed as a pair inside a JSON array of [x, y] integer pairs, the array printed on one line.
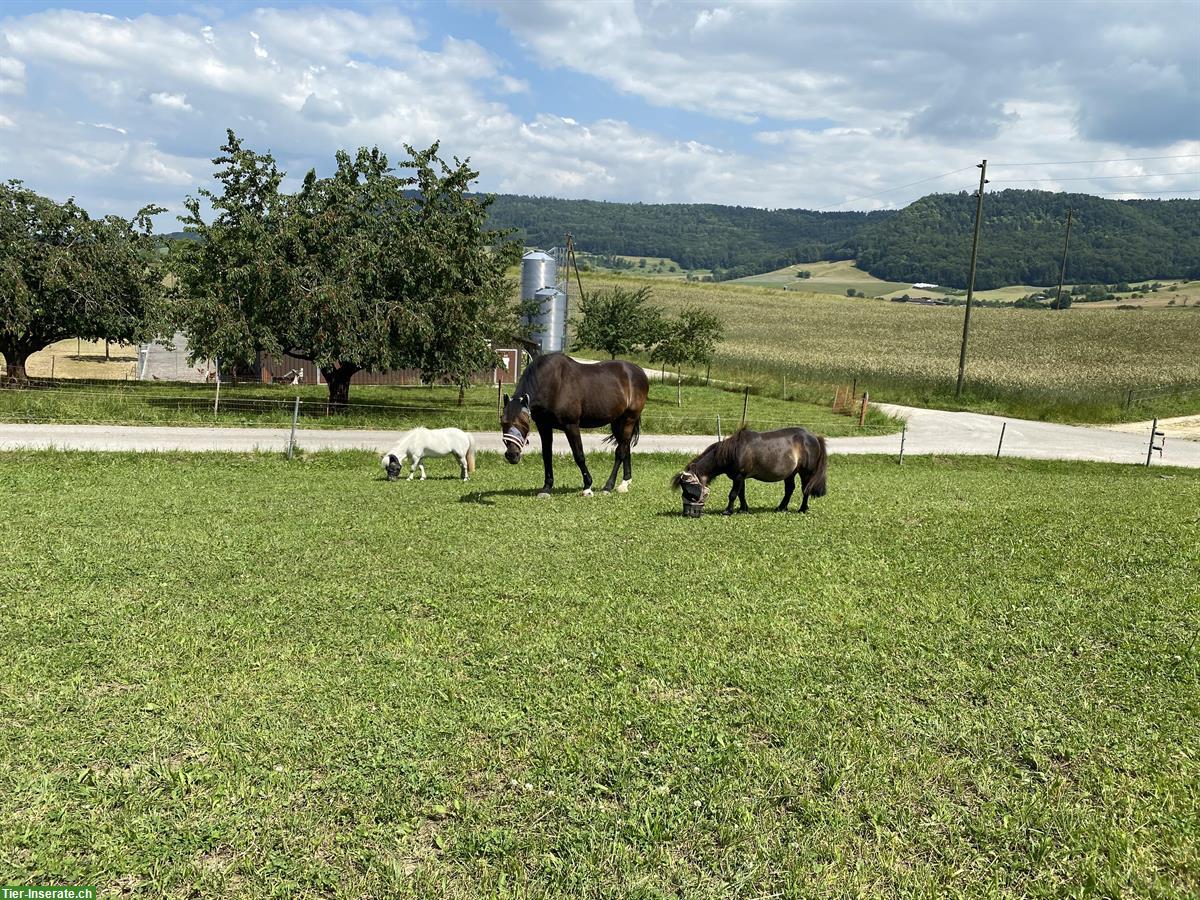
[[555, 391], [770, 456]]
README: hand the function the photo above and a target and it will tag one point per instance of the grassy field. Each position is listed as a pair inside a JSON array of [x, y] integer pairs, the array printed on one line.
[[375, 407], [1067, 366], [82, 359], [228, 676], [842, 275]]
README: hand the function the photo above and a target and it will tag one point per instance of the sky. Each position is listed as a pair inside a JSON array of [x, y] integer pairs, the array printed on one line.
[[818, 105]]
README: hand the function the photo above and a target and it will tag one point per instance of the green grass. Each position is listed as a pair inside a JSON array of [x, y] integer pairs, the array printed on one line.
[[1069, 366], [247, 678], [378, 407]]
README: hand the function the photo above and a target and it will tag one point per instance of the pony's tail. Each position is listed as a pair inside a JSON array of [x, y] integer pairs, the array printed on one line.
[[816, 484], [470, 455]]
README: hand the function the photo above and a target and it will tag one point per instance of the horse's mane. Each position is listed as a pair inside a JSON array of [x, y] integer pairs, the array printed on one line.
[[724, 453]]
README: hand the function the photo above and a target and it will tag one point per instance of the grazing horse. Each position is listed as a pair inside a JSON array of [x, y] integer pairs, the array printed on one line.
[[555, 391], [419, 443], [770, 456]]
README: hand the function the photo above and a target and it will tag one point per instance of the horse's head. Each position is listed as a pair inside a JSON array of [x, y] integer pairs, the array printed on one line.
[[695, 492], [392, 466], [514, 427]]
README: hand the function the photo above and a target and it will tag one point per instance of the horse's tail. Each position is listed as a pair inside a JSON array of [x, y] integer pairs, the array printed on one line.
[[470, 454], [633, 438], [816, 482]]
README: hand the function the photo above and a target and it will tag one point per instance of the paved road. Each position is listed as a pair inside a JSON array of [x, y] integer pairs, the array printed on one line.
[[929, 432]]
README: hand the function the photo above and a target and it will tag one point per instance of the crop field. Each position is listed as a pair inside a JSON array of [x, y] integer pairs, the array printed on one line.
[[1067, 366], [389, 407], [827, 278], [252, 678], [83, 359]]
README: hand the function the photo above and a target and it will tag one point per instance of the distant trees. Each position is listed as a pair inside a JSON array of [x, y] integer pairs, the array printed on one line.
[[361, 270], [64, 274], [618, 322]]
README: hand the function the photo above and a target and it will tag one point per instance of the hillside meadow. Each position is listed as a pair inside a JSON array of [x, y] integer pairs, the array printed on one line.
[[1072, 365], [231, 676]]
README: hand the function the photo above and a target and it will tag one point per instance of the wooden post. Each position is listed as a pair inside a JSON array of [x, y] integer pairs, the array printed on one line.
[[499, 398], [719, 426], [1129, 399], [903, 435], [217, 399], [862, 415], [745, 402], [1003, 425]]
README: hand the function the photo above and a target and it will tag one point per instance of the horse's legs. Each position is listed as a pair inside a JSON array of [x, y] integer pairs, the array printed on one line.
[[420, 464], [742, 493], [789, 485], [623, 433], [412, 466], [733, 494], [462, 464], [617, 427], [547, 434], [804, 476], [576, 442]]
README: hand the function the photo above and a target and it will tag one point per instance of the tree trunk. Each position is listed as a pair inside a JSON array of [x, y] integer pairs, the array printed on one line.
[[106, 354], [339, 387], [462, 391], [14, 363]]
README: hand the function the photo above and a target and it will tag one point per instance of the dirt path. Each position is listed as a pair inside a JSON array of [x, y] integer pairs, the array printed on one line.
[[1185, 428], [928, 432]]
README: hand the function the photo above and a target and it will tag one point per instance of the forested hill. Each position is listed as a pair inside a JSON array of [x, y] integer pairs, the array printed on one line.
[[929, 240], [1021, 241], [740, 240]]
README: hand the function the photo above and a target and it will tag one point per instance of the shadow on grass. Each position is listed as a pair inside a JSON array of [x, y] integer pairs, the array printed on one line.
[[486, 498]]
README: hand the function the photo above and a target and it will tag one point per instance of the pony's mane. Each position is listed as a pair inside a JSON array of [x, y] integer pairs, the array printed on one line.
[[723, 453]]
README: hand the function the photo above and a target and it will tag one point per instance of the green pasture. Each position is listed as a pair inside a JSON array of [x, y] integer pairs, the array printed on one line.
[[692, 410], [231, 676]]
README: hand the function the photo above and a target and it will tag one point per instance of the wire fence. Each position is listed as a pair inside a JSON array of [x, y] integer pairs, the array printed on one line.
[[90, 403]]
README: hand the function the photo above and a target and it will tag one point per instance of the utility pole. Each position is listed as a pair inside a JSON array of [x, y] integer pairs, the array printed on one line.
[[962, 356], [1062, 273]]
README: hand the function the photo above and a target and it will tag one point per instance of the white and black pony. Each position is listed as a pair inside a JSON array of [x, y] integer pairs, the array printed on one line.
[[420, 443]]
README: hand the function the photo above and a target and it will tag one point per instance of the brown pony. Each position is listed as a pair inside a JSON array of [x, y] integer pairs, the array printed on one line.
[[770, 456], [555, 391]]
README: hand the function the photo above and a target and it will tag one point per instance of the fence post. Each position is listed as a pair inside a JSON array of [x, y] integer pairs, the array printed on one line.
[[719, 426], [854, 386], [1154, 432], [862, 415], [217, 399], [1003, 425], [903, 435], [51, 366], [745, 402], [1129, 399], [499, 398], [295, 415]]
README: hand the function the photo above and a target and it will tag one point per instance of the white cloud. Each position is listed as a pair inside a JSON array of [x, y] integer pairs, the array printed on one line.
[[12, 75], [754, 103], [167, 100]]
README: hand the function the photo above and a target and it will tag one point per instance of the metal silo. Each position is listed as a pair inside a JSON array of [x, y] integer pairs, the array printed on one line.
[[538, 270], [539, 282], [550, 323]]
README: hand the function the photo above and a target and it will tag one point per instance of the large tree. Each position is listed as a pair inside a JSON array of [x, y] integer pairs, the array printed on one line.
[[64, 274], [618, 321], [360, 270]]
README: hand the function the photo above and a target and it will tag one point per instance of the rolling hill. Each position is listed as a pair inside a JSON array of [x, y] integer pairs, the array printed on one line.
[[929, 240]]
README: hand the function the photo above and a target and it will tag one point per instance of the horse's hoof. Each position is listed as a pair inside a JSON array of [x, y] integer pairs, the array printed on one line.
[[543, 495], [727, 512], [623, 487], [587, 492]]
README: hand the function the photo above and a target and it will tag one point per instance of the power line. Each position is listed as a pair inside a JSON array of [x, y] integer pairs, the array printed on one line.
[[1082, 162], [898, 188], [1097, 177], [1117, 193]]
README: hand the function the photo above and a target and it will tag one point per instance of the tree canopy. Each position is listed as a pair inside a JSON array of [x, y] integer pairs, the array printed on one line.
[[64, 274], [364, 269], [618, 322]]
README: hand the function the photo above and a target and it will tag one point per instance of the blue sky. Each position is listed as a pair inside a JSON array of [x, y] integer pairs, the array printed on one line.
[[757, 103]]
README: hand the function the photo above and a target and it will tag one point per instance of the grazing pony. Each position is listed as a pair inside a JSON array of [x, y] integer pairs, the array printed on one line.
[[555, 391], [419, 443], [770, 456]]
